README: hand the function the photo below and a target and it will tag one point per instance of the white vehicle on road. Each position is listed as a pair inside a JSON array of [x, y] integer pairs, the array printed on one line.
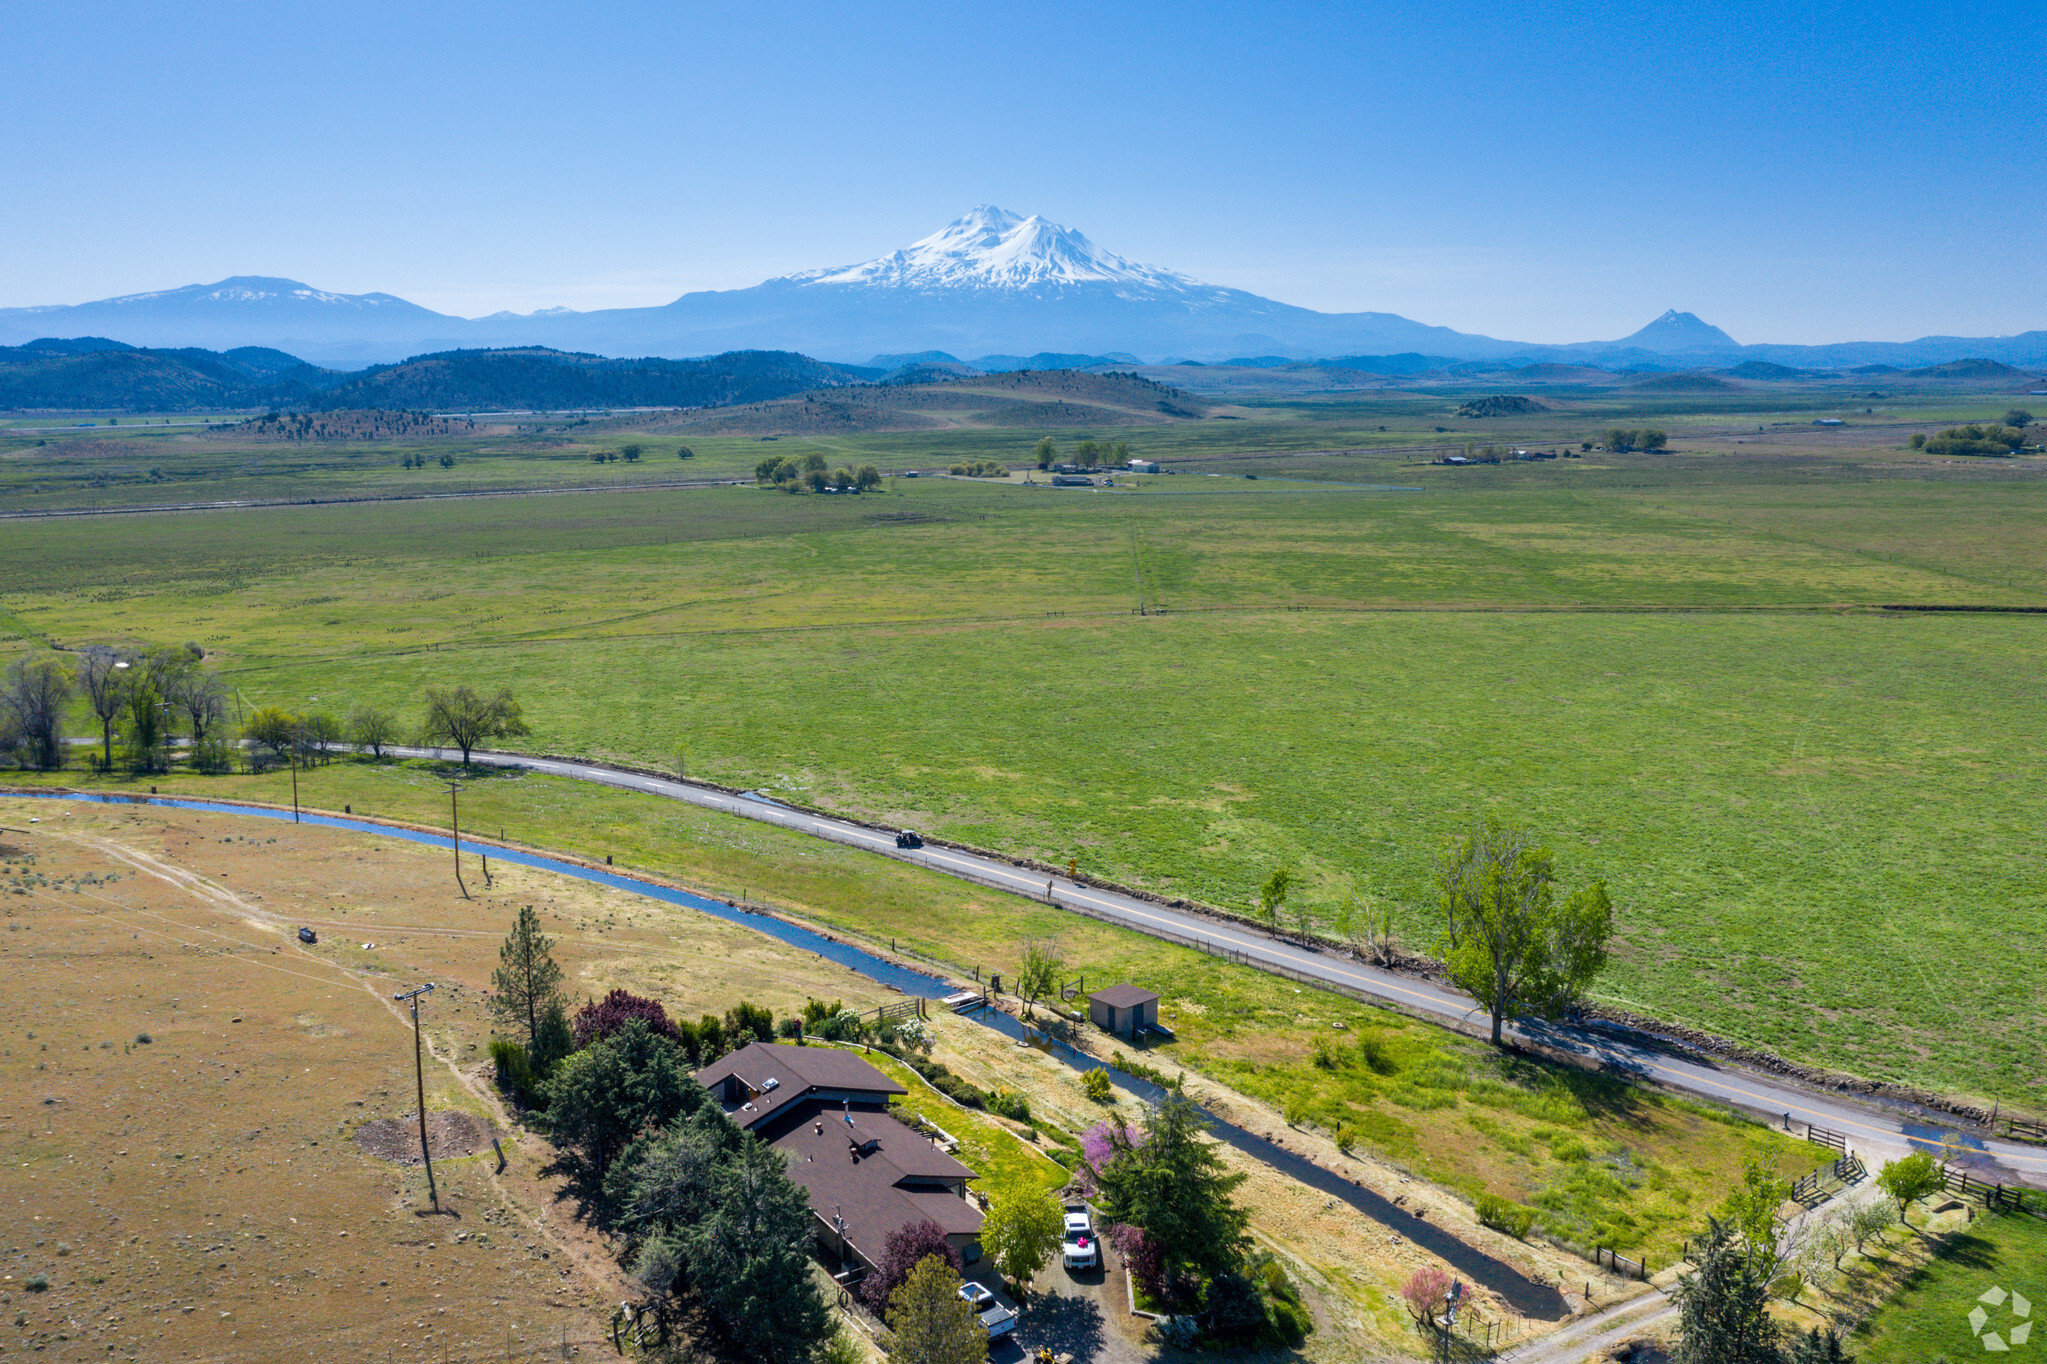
[[1081, 1249], [997, 1320]]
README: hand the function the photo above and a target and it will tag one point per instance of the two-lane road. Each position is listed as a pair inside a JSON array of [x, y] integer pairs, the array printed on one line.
[[1870, 1129]]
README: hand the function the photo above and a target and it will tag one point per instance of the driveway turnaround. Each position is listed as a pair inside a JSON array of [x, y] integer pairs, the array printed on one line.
[[1871, 1129]]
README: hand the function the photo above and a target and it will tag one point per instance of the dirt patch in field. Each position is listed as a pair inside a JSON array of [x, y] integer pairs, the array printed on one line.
[[448, 1135]]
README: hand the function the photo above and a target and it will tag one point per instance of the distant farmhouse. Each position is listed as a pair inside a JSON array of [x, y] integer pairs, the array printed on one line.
[[826, 1111]]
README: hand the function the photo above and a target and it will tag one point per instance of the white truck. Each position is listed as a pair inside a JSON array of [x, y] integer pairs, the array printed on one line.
[[1081, 1248], [997, 1320]]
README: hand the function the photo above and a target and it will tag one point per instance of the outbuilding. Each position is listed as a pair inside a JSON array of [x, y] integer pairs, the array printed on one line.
[[1124, 1010], [1144, 466]]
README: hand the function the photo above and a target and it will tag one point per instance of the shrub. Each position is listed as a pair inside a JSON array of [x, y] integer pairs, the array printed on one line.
[[36, 1283], [789, 1029], [1505, 1216], [609, 1015], [1346, 1137], [905, 1248], [746, 1022], [1232, 1308], [1010, 1104], [144, 1038], [1142, 1257], [1095, 1084]]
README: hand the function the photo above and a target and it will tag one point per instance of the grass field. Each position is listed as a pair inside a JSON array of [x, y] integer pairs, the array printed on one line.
[[1814, 817], [1929, 1317]]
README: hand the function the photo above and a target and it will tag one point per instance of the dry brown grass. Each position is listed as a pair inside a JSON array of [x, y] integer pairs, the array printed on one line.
[[200, 1195]]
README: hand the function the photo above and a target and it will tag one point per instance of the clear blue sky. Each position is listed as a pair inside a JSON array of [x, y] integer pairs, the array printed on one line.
[[1547, 172]]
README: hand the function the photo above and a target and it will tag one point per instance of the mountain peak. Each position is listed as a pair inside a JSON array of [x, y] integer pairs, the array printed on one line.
[[993, 248], [1676, 331]]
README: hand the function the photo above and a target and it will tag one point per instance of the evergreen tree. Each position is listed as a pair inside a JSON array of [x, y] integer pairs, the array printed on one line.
[[1723, 1305], [933, 1324], [1817, 1347], [527, 981], [1174, 1186], [749, 1260]]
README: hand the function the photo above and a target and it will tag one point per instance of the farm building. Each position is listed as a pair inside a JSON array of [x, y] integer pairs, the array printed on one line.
[[1123, 1009], [866, 1173]]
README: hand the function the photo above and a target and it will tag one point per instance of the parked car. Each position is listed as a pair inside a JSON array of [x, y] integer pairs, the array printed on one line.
[[996, 1319], [1081, 1249], [907, 839]]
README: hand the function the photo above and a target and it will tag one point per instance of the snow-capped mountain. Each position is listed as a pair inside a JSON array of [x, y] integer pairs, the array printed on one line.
[[992, 248], [991, 282]]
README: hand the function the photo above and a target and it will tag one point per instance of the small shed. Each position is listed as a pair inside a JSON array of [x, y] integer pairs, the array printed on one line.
[[1123, 1010]]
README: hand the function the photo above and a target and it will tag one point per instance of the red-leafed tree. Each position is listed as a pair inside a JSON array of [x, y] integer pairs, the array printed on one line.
[[608, 1015], [1143, 1257], [905, 1248], [1427, 1292]]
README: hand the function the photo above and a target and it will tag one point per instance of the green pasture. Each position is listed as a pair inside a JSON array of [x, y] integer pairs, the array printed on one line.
[[1929, 1316], [49, 462], [1818, 820]]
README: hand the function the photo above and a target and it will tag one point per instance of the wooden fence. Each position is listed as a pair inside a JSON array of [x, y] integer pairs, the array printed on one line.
[[1822, 1184], [1821, 1136], [1620, 1264], [2000, 1196], [2021, 1130], [912, 1007]]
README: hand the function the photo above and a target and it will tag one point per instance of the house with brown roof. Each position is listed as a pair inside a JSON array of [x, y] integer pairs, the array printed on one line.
[[826, 1111]]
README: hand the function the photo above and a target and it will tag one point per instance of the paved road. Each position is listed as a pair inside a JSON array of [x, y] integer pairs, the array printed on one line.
[[1870, 1131]]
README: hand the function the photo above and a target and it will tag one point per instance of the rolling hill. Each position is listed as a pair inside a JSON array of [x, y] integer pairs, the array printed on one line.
[[93, 374]]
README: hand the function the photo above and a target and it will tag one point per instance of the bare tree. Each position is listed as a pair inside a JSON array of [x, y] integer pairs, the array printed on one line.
[[372, 728], [103, 676], [461, 717], [203, 698], [32, 702]]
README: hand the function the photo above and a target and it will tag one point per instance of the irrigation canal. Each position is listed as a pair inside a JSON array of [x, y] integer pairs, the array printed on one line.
[[1526, 1296]]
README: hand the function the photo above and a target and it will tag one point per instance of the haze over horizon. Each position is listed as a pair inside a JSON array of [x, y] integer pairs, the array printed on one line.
[[1794, 175]]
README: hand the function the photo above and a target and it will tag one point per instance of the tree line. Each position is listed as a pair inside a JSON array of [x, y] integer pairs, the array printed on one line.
[[144, 701], [1088, 454]]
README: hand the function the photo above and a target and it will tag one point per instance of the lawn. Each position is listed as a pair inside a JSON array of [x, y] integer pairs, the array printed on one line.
[[1928, 1319], [1006, 1163]]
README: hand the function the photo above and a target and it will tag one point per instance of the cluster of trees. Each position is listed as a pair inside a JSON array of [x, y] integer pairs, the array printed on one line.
[[142, 698], [629, 453], [1088, 454], [1168, 1196], [145, 700], [1723, 1304], [706, 1213], [1646, 438], [792, 475], [418, 461], [981, 468], [1977, 438]]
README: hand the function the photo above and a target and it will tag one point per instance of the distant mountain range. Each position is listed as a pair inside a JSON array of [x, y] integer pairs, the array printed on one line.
[[991, 284]]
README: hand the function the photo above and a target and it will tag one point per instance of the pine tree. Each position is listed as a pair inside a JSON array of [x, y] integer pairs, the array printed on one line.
[[1175, 1186], [933, 1324], [527, 982], [1723, 1315]]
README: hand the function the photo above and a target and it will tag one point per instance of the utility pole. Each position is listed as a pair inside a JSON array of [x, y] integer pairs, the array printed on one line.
[[293, 758], [419, 1076], [455, 820]]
